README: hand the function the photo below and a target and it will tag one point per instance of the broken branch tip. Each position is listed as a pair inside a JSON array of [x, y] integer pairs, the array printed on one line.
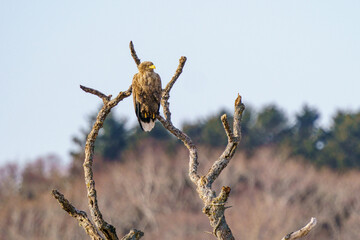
[[238, 100]]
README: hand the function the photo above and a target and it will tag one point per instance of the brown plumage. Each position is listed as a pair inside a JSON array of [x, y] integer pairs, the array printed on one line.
[[146, 90]]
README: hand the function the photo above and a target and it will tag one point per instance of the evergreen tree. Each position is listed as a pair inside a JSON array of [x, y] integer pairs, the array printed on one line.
[[209, 132], [112, 139], [305, 134], [342, 143], [271, 124]]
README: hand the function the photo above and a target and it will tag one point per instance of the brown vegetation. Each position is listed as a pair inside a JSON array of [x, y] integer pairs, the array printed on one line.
[[270, 196]]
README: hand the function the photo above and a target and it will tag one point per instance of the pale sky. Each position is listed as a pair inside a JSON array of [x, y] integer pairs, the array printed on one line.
[[287, 52]]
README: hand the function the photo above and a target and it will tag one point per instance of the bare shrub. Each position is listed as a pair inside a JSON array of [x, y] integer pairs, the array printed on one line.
[[269, 194]]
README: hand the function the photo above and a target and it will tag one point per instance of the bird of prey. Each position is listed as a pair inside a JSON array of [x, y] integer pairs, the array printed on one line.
[[146, 90]]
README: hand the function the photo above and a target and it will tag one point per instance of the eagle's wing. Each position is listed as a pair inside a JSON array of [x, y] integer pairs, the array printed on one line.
[[147, 91], [147, 96], [157, 92], [135, 89], [137, 96]]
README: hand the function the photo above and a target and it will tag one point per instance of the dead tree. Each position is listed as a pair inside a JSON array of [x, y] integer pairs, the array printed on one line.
[[214, 205]]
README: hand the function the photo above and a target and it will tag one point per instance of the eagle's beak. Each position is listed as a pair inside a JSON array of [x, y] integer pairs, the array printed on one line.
[[152, 66]]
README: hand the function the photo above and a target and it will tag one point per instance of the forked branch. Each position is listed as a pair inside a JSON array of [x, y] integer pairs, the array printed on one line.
[[108, 231], [233, 141], [81, 216], [214, 206]]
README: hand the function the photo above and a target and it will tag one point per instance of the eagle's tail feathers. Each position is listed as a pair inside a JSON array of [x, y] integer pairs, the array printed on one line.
[[147, 126], [146, 120]]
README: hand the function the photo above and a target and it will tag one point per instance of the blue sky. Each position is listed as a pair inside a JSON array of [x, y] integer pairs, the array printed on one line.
[[283, 51]]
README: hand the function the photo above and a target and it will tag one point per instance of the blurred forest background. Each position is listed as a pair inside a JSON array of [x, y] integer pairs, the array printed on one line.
[[284, 172]]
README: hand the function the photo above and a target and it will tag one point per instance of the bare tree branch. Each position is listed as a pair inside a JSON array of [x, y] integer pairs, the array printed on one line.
[[214, 206], [133, 235], [227, 128], [133, 53], [81, 216], [97, 93], [238, 116], [107, 229], [233, 142], [193, 163], [302, 232], [166, 91]]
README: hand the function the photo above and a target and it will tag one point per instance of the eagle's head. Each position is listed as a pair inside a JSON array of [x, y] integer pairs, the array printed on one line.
[[146, 67]]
